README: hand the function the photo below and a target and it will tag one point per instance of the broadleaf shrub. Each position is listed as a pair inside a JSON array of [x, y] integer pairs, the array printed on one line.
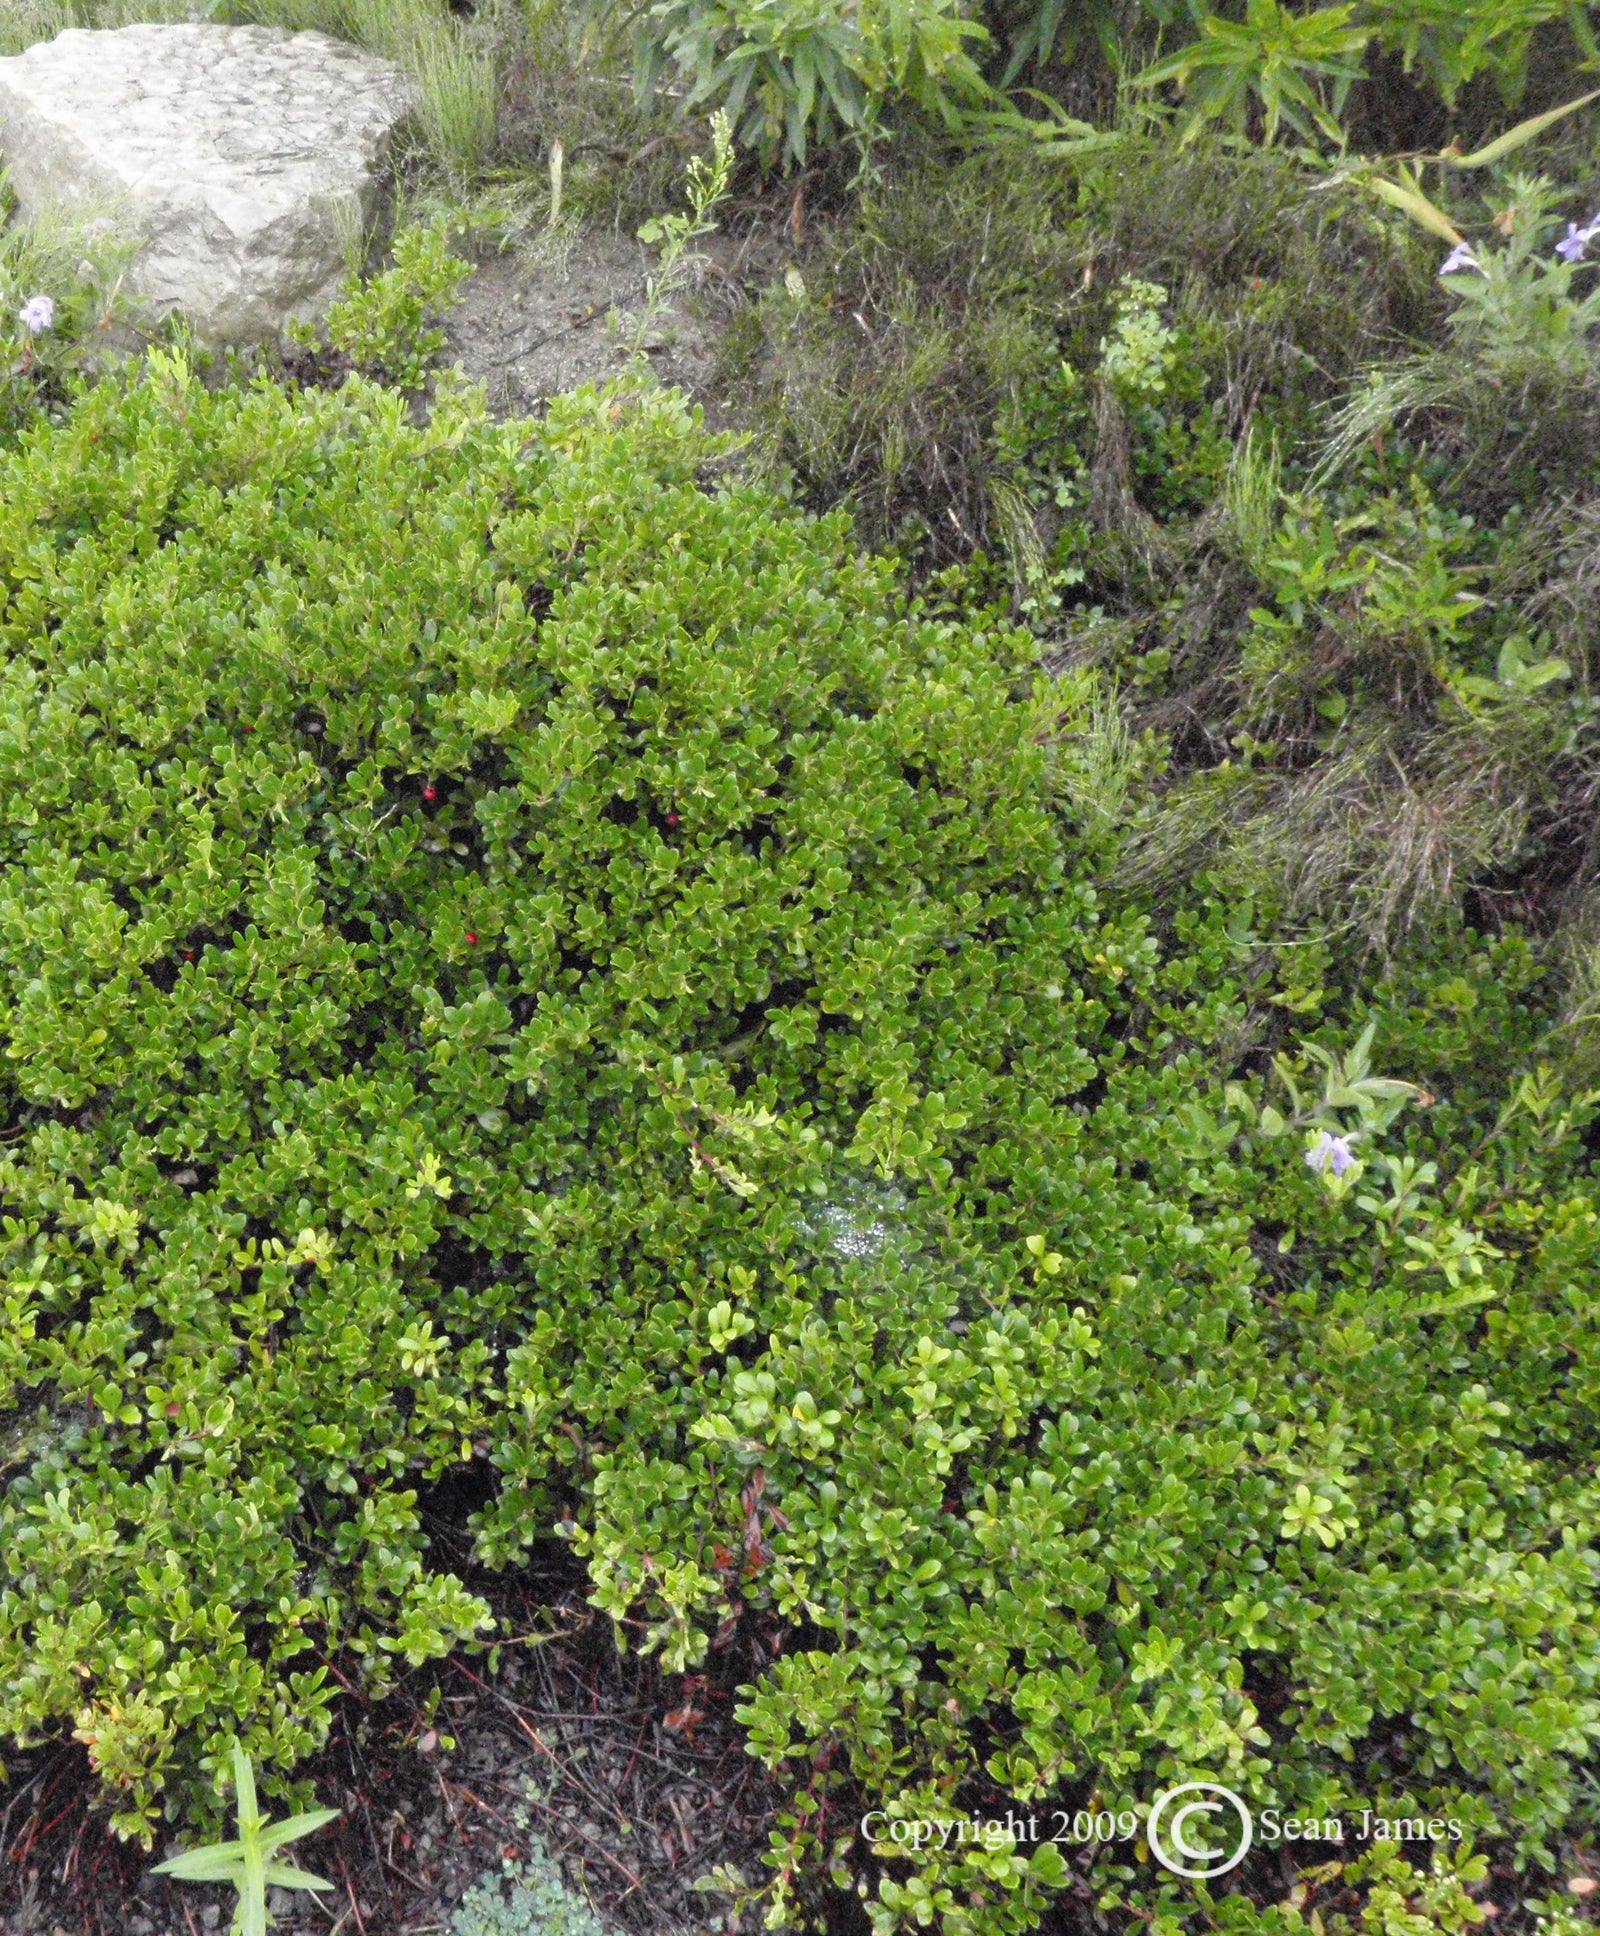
[[519, 954], [386, 325], [797, 76]]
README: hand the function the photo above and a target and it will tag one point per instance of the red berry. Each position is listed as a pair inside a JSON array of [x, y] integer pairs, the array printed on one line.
[[472, 939], [188, 954], [430, 793], [672, 820]]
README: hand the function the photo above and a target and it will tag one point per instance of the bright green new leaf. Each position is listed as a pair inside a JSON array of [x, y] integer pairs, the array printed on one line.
[[219, 1863], [1407, 195], [1521, 134]]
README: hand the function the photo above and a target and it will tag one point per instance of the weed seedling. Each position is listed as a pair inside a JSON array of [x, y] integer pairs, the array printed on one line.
[[248, 1863], [707, 188]]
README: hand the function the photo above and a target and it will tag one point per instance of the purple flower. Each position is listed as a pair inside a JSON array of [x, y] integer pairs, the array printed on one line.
[[37, 313], [1572, 245], [1330, 1153], [1459, 258]]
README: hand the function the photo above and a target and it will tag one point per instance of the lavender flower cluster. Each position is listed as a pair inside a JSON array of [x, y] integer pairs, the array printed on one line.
[[1572, 245], [1570, 248], [1331, 1153]]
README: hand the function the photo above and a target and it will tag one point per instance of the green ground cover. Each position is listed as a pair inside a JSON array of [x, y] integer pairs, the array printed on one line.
[[1021, 1099]]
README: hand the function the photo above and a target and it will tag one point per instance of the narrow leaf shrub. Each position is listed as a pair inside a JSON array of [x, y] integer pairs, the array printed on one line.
[[1390, 635], [517, 955]]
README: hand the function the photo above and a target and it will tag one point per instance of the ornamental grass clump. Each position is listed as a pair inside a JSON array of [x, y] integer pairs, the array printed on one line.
[[521, 955]]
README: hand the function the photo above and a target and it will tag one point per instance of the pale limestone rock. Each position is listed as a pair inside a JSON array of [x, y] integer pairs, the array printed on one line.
[[242, 157]]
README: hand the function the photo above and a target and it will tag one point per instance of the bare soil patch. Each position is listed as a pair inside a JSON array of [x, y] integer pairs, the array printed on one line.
[[531, 325]]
